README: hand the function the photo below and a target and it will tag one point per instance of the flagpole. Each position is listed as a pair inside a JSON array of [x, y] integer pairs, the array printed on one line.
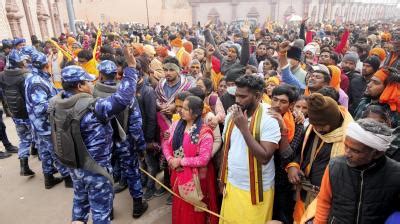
[[71, 15], [147, 10]]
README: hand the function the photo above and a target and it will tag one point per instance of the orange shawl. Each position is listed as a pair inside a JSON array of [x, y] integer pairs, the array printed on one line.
[[391, 93], [290, 125]]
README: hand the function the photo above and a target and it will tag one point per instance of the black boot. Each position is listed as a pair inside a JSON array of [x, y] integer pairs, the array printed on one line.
[[4, 155], [34, 151], [51, 181], [112, 214], [68, 182], [25, 170], [139, 207], [121, 186], [11, 149]]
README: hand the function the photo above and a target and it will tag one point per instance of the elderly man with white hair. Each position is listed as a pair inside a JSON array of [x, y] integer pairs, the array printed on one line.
[[364, 185]]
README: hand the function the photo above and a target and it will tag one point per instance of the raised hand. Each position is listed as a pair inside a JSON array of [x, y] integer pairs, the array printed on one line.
[[209, 50], [303, 21], [208, 24], [130, 59], [284, 46], [245, 28]]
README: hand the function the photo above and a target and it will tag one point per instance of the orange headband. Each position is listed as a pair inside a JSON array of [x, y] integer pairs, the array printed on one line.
[[177, 42], [381, 75]]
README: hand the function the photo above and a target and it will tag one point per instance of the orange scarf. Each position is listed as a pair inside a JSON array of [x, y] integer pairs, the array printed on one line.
[[290, 125], [391, 93]]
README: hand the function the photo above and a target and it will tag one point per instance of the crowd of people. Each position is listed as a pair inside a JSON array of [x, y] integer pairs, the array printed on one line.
[[271, 124]]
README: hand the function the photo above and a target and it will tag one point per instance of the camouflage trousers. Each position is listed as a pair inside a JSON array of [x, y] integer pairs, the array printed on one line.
[[92, 193], [24, 132], [49, 161], [127, 163]]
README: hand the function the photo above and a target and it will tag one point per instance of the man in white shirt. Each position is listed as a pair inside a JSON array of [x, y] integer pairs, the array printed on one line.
[[251, 137]]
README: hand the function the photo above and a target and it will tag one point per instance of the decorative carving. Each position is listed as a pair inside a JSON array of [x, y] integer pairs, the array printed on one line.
[[42, 16], [14, 18], [253, 13]]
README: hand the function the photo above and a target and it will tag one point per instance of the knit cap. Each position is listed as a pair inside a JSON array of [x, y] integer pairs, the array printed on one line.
[[323, 110], [374, 62]]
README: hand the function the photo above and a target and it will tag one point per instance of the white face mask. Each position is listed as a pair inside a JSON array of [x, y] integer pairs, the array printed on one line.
[[91, 86], [231, 90]]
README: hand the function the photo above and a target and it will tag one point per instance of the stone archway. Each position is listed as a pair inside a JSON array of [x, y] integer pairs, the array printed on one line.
[[14, 18], [253, 13], [42, 16], [213, 15]]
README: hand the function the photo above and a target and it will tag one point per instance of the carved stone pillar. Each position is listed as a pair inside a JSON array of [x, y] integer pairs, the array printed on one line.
[[13, 16], [273, 10], [28, 15], [51, 13], [234, 4], [195, 7], [42, 18], [57, 19]]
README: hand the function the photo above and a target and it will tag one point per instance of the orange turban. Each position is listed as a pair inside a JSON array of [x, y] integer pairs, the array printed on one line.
[[70, 41], [386, 36], [391, 93], [335, 76], [188, 46], [380, 52], [139, 48], [177, 42], [162, 51]]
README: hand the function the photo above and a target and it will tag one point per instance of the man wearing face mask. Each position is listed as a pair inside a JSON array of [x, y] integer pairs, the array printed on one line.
[[323, 140], [38, 91], [228, 99]]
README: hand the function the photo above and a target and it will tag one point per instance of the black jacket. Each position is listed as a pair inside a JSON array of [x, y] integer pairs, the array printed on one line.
[[227, 65], [147, 102], [357, 85], [366, 195]]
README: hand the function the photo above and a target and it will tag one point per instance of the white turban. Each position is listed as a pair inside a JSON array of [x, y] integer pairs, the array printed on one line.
[[372, 140], [310, 48]]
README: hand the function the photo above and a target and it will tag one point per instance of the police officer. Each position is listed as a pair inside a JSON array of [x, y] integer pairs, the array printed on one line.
[[38, 91], [81, 126], [4, 63], [19, 43], [12, 82], [126, 152]]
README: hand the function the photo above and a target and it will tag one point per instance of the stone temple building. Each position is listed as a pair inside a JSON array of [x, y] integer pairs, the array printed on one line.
[[279, 10], [48, 18]]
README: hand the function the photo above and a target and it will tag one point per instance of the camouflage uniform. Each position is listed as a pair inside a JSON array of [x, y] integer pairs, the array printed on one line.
[[24, 133], [38, 90], [92, 189], [125, 153]]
